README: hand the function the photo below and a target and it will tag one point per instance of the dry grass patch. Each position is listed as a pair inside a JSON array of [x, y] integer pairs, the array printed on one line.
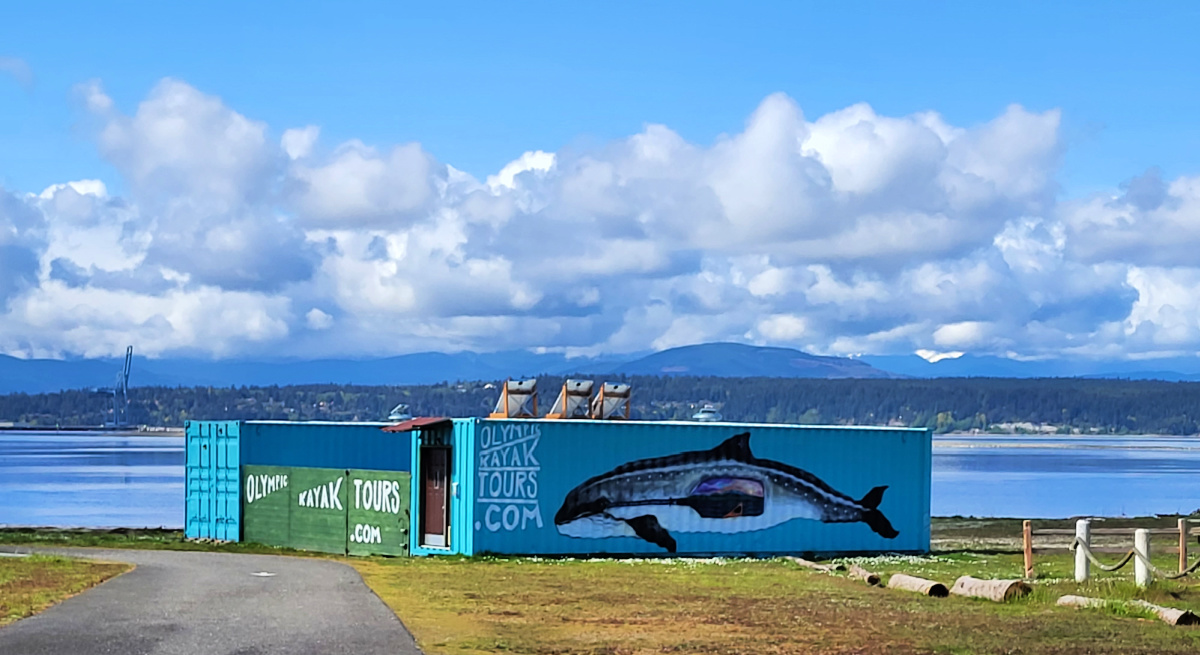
[[458, 606], [29, 585]]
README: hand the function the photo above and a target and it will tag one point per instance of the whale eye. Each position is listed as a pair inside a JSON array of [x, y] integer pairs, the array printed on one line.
[[744, 486]]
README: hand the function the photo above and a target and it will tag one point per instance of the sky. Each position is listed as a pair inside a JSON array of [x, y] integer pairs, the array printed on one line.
[[368, 179]]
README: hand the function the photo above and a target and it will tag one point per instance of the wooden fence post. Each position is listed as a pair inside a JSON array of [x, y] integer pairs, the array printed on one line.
[[1183, 539], [1027, 530]]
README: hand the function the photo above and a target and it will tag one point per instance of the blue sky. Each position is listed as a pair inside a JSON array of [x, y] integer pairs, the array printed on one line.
[[1112, 87], [484, 82]]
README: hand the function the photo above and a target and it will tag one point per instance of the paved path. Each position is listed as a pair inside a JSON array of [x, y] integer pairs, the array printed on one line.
[[188, 603]]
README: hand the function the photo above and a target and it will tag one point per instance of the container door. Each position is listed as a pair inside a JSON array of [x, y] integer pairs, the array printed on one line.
[[435, 505], [213, 489]]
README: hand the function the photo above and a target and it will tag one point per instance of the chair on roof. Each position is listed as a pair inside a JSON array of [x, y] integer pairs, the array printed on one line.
[[612, 402], [518, 399], [573, 400]]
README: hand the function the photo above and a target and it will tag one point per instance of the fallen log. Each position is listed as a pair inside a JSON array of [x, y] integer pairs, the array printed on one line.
[[919, 585], [997, 590], [1169, 615], [1081, 601], [816, 566], [859, 573]]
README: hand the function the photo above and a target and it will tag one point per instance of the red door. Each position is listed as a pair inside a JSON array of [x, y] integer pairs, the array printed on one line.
[[435, 509]]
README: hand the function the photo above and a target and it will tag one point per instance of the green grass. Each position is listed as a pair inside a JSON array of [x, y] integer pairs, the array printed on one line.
[[131, 538], [31, 584]]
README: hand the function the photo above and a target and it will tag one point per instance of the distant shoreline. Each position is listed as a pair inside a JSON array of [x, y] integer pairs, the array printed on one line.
[[94, 430], [153, 431]]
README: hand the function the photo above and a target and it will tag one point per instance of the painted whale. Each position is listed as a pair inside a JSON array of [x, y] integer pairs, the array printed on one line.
[[726, 489]]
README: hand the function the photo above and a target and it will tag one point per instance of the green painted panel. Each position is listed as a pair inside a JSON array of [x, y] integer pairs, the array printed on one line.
[[378, 510], [266, 504], [318, 509]]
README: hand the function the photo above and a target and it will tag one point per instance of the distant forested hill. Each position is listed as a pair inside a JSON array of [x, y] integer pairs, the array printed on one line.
[[946, 404]]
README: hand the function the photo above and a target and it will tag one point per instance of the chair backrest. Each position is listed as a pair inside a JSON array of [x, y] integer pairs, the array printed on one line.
[[573, 401], [612, 402], [518, 399]]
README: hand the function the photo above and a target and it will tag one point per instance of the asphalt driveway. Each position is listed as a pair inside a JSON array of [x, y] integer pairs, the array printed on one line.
[[189, 603]]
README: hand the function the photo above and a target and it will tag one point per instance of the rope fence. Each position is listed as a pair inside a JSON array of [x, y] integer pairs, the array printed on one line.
[[1085, 554]]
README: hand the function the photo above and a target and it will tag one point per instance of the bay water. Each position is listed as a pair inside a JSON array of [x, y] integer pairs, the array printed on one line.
[[106, 480]]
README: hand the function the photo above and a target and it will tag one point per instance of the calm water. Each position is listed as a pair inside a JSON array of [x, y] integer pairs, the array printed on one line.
[[91, 480], [106, 481], [1055, 477]]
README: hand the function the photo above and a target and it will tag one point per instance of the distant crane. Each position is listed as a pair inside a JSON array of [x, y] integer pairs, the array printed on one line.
[[120, 394]]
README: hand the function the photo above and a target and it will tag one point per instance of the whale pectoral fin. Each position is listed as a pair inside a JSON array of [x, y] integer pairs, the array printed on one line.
[[648, 528]]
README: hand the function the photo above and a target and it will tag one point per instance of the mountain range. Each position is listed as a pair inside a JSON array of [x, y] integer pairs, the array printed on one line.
[[710, 359], [715, 359]]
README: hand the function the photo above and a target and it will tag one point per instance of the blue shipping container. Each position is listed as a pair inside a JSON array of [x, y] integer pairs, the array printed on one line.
[[216, 450], [314, 444], [576, 487]]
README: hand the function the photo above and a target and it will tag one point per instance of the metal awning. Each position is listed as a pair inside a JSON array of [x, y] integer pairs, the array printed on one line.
[[421, 422]]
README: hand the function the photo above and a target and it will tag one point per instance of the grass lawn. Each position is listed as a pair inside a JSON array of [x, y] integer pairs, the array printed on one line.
[[31, 584], [148, 538], [755, 606], [615, 607]]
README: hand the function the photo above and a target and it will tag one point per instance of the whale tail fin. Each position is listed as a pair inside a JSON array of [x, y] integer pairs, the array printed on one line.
[[875, 518], [879, 523], [873, 498]]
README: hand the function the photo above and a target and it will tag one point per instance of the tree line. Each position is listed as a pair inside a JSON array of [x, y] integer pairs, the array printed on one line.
[[945, 404]]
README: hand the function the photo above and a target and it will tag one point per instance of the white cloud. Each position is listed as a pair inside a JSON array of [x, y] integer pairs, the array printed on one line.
[[535, 161], [966, 334], [359, 186], [82, 187], [847, 233], [783, 327], [933, 356], [318, 320], [181, 142], [298, 142], [98, 322]]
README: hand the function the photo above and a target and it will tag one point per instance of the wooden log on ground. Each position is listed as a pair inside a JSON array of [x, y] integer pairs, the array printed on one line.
[[1169, 615], [919, 585], [1081, 601], [997, 590], [815, 565], [859, 573]]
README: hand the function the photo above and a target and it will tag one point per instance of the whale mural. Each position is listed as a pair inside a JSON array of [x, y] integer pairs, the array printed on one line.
[[725, 489]]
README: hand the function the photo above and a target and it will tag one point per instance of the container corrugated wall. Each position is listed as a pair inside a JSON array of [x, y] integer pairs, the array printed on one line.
[[343, 511], [325, 445], [333, 487], [781, 489]]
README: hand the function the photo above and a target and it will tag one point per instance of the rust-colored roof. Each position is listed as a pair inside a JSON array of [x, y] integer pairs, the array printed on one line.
[[414, 423]]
